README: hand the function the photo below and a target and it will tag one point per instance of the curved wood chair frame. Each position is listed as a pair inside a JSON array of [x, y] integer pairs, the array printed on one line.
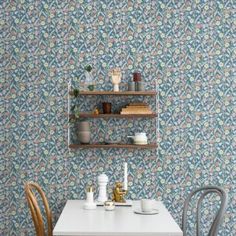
[[35, 209], [219, 215]]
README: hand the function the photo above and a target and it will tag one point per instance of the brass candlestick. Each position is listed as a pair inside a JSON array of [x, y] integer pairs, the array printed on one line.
[[119, 193]]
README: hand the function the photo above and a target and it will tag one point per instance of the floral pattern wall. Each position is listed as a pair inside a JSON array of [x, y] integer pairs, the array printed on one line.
[[186, 47]]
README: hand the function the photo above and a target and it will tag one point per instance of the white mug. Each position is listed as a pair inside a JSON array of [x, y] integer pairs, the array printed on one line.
[[147, 205]]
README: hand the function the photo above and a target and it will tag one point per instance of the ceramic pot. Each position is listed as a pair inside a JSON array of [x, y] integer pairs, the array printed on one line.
[[83, 126], [84, 137]]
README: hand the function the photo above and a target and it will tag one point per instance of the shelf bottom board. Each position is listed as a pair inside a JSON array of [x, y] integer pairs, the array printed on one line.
[[75, 146]]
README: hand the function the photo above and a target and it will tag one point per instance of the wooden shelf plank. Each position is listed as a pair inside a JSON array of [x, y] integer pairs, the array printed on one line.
[[120, 93], [98, 145], [119, 116]]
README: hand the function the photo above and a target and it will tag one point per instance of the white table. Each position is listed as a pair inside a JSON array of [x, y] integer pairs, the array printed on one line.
[[74, 220]]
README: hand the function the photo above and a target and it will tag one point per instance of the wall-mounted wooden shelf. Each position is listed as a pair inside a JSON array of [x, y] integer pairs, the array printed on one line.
[[108, 116], [120, 93], [119, 116], [129, 146]]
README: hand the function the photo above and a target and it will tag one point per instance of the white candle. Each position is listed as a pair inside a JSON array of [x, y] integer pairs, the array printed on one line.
[[125, 176]]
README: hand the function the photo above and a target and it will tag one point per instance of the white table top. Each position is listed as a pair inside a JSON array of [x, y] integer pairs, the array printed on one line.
[[74, 220]]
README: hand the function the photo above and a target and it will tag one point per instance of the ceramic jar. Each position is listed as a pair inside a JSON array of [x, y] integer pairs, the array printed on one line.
[[131, 86], [140, 86]]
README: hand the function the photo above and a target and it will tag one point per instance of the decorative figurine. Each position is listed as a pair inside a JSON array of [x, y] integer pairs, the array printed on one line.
[[116, 78], [96, 111], [102, 183], [118, 193]]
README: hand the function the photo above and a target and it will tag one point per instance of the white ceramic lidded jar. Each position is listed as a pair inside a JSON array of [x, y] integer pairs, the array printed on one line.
[[139, 138]]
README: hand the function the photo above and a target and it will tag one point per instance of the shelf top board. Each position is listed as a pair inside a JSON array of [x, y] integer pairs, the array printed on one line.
[[129, 146], [120, 93], [90, 115]]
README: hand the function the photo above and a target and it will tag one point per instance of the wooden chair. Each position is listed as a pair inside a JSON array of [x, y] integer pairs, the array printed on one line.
[[219, 214], [35, 210]]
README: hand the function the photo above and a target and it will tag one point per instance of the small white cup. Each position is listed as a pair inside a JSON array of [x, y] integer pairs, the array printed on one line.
[[147, 205]]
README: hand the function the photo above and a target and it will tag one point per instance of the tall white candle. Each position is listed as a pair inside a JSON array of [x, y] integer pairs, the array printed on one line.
[[125, 176]]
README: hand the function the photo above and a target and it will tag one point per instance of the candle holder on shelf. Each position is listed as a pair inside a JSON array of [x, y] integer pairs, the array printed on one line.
[[89, 203]]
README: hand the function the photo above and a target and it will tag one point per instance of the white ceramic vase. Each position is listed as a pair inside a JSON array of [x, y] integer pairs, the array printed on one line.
[[84, 133]]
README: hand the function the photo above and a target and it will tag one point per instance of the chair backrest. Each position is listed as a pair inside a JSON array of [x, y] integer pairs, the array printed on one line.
[[219, 214], [35, 209]]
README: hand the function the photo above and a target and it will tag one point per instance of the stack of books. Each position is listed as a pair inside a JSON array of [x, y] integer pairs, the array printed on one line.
[[136, 108]]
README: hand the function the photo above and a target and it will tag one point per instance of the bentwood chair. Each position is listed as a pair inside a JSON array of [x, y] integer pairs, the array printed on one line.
[[35, 209], [214, 229]]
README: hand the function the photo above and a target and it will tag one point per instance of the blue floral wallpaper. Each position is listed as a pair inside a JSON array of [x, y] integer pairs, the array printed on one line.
[[186, 47]]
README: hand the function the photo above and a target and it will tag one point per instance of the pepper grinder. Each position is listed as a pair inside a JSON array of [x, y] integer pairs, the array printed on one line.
[[102, 183], [89, 203]]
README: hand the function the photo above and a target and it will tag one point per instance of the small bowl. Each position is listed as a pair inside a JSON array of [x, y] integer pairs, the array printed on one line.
[[109, 205]]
